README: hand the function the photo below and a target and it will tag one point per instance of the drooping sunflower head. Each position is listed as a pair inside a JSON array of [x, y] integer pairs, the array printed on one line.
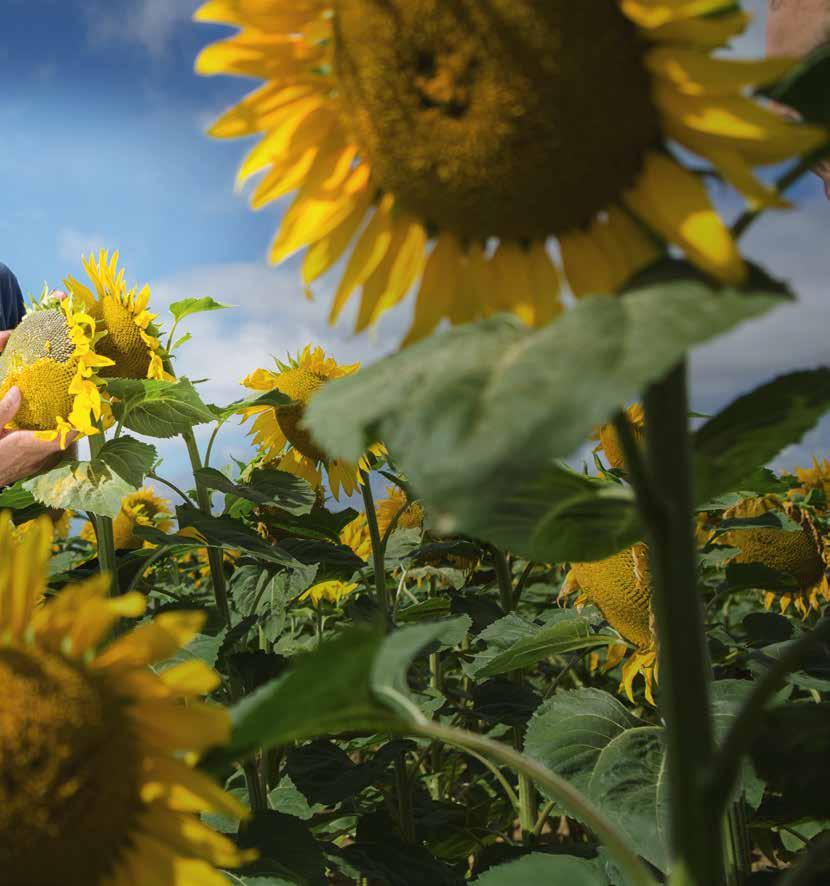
[[53, 357], [94, 787], [609, 439], [141, 508], [817, 477], [448, 142], [132, 338], [800, 554], [620, 587], [279, 432]]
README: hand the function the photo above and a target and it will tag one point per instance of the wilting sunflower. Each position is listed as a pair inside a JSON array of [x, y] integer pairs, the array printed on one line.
[[276, 428], [816, 477], [53, 357], [96, 781], [800, 554], [132, 340], [329, 591], [141, 508], [620, 587], [488, 128], [609, 439]]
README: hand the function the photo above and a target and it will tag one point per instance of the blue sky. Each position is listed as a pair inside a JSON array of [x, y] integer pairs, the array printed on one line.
[[103, 145]]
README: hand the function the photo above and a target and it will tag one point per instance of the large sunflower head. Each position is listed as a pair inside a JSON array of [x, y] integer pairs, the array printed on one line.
[[132, 339], [447, 143], [277, 429], [620, 587], [141, 508], [800, 554], [53, 357], [96, 780]]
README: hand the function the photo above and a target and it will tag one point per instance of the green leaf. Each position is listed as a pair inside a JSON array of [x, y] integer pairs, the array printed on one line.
[[538, 868], [286, 847], [267, 487], [326, 692], [806, 88], [16, 498], [461, 411], [161, 409], [269, 398], [189, 306], [81, 486], [559, 638], [755, 428], [129, 458], [223, 532]]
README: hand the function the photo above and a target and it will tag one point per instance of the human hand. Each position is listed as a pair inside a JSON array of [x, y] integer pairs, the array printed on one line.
[[22, 454]]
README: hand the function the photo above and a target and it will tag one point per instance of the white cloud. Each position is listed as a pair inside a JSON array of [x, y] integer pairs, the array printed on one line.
[[148, 23], [72, 244]]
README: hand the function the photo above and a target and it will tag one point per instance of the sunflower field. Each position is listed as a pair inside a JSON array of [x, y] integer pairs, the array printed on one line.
[[497, 608]]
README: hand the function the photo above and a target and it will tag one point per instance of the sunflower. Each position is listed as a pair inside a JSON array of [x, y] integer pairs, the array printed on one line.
[[132, 340], [355, 535], [329, 591], [411, 515], [97, 786], [61, 522], [816, 477], [141, 508], [609, 440], [53, 357], [277, 427], [801, 554], [451, 142], [620, 587]]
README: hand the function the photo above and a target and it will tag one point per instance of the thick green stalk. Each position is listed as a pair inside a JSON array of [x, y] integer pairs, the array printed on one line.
[[666, 502], [254, 774], [377, 548], [103, 529], [627, 860]]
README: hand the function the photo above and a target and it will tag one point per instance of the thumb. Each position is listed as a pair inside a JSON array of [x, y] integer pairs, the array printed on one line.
[[9, 406], [4, 337]]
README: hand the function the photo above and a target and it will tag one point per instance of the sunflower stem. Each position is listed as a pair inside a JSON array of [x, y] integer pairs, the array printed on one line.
[[378, 548], [104, 534], [527, 791], [254, 776], [664, 493]]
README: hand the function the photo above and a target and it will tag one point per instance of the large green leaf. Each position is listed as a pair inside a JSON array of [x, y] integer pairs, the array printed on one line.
[[16, 498], [751, 431], [99, 486], [559, 638], [481, 411], [158, 408], [538, 868], [267, 487]]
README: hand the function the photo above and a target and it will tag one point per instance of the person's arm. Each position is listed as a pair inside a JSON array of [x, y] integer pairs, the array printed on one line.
[[11, 299], [796, 27]]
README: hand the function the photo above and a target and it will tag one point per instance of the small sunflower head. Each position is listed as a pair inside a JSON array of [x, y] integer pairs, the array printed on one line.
[[279, 432], [329, 592], [356, 536], [411, 515], [52, 358], [816, 477], [800, 554], [141, 508], [620, 587], [609, 439], [132, 338]]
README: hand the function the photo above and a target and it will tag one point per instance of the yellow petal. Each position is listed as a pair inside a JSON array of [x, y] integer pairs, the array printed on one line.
[[674, 203], [173, 726], [438, 289], [187, 836], [185, 789], [697, 73], [323, 254], [154, 641]]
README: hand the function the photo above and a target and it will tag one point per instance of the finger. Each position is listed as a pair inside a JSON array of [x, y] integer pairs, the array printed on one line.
[[57, 295], [9, 406], [4, 337]]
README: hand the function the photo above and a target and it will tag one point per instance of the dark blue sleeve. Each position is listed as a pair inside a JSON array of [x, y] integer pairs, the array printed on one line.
[[11, 299]]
